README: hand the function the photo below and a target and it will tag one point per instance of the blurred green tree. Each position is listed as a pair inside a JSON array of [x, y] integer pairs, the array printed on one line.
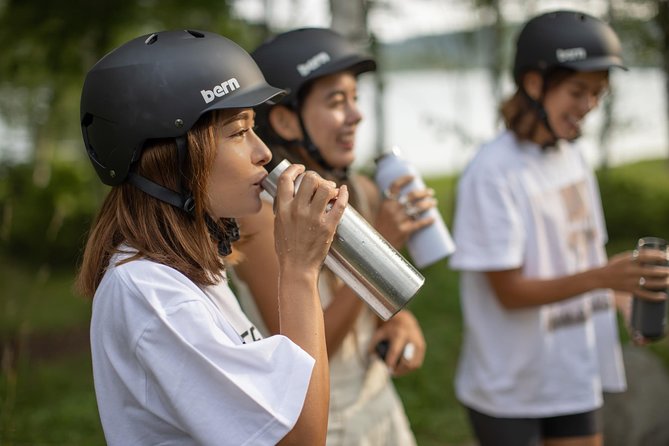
[[47, 48]]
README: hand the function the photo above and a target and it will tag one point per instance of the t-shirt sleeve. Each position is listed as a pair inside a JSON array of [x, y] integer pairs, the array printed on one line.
[[219, 391], [488, 226]]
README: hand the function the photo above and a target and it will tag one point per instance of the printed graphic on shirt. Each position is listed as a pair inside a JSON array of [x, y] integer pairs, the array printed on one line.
[[580, 223], [252, 334], [225, 301], [601, 301], [580, 230]]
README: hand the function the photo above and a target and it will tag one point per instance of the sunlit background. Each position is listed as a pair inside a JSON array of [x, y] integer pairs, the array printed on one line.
[[444, 67]]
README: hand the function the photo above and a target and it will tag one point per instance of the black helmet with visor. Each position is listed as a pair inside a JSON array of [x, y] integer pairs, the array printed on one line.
[[564, 39], [294, 59], [567, 39], [158, 86]]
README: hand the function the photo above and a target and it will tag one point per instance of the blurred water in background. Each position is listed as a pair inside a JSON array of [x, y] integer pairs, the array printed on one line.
[[439, 118]]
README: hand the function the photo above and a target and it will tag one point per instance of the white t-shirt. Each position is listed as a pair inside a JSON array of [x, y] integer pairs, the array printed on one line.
[[521, 207], [174, 364], [364, 406]]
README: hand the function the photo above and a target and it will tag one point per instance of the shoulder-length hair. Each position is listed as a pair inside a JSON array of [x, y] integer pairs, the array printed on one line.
[[156, 230], [520, 115]]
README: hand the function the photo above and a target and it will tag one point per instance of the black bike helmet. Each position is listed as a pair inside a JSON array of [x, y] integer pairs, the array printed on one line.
[[567, 39], [158, 86], [295, 58], [564, 39]]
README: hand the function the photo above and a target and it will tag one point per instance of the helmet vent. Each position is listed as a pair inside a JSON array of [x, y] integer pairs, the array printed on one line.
[[195, 34], [153, 38]]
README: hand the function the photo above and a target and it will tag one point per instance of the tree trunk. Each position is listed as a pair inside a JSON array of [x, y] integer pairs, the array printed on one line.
[[349, 18], [496, 60], [607, 108], [662, 19]]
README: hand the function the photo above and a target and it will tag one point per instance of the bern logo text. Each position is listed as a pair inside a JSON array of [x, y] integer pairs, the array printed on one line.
[[313, 63], [220, 90], [571, 54]]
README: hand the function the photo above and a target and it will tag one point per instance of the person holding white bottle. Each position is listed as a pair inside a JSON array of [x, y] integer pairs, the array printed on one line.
[[431, 243], [315, 125]]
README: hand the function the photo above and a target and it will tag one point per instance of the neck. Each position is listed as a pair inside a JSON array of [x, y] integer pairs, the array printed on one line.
[[543, 137]]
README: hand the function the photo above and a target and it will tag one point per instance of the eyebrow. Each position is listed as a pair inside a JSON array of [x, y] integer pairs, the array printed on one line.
[[241, 116], [336, 93], [584, 84], [577, 82]]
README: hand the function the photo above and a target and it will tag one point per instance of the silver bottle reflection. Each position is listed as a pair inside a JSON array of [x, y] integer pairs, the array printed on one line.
[[364, 260]]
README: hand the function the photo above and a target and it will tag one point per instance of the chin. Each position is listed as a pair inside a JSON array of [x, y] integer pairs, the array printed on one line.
[[571, 135], [256, 207], [344, 161]]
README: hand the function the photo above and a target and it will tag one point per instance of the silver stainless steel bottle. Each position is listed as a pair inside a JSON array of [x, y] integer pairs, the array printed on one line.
[[427, 245], [364, 260], [650, 318]]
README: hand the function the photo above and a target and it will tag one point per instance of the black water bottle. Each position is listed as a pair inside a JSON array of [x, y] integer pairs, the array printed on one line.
[[650, 318]]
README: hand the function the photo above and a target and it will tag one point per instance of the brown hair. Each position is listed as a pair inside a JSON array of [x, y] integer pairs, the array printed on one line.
[[157, 230], [518, 113]]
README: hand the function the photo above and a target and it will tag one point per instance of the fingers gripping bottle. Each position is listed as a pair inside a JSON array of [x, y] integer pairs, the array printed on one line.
[[364, 260], [650, 318], [429, 244]]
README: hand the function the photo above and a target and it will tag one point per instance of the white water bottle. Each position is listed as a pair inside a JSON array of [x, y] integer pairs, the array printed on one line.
[[429, 244]]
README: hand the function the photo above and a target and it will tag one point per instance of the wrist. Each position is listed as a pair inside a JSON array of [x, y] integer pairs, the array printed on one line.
[[596, 278]]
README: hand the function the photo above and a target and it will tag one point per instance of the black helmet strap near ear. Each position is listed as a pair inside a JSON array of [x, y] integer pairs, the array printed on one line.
[[224, 236], [183, 200], [538, 106], [313, 151]]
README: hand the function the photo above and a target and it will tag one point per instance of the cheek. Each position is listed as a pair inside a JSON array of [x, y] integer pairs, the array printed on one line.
[[325, 124], [556, 107]]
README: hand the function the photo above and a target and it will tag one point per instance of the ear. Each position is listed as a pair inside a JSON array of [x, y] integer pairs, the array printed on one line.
[[533, 84], [285, 123]]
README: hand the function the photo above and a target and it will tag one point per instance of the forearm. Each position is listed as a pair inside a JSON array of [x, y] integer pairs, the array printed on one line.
[[301, 320], [516, 291], [340, 317]]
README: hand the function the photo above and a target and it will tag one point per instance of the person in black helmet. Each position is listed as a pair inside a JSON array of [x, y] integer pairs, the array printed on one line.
[[315, 124], [167, 121], [537, 290]]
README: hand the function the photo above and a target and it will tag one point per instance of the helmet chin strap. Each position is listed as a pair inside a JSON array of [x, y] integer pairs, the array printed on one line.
[[224, 236], [538, 107], [315, 153], [183, 200]]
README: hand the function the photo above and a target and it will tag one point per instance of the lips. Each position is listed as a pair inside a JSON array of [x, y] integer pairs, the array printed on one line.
[[574, 122], [347, 139], [260, 178]]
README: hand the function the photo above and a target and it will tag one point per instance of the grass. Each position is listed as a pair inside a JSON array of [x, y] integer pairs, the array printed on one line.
[[428, 394], [46, 385], [46, 389]]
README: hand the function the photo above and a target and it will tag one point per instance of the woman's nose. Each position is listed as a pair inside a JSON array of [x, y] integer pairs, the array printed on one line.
[[261, 153], [354, 114]]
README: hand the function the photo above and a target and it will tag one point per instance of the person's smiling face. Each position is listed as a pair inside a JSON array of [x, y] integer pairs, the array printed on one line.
[[331, 116], [234, 180], [568, 103]]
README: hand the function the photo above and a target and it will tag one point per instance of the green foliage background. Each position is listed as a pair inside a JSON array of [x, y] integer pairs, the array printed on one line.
[[48, 203], [46, 388]]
